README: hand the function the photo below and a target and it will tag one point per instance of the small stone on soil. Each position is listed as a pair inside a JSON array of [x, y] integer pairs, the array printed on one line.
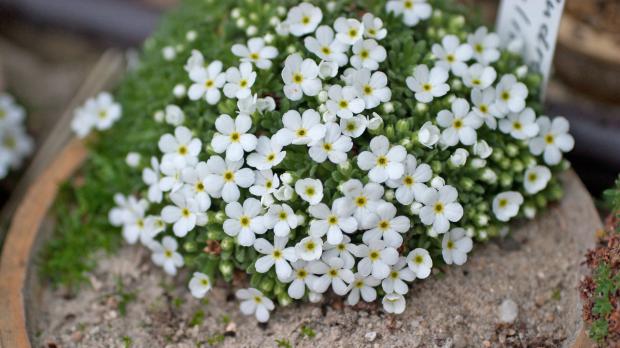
[[370, 336], [508, 311]]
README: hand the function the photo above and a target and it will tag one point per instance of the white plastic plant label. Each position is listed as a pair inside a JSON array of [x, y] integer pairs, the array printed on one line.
[[531, 27]]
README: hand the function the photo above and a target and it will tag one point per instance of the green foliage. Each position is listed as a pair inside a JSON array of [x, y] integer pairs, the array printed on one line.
[[307, 331], [607, 286], [612, 198], [198, 318], [283, 343], [124, 297]]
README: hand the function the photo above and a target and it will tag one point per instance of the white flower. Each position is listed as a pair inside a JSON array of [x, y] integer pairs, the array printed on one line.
[[440, 208], [333, 147], [266, 183], [277, 254], [412, 10], [166, 255], [354, 126], [171, 179], [411, 185], [15, 145], [100, 112], [332, 222], [483, 106], [364, 199], [185, 214], [326, 47], [373, 27], [482, 149], [459, 157], [196, 184], [268, 154], [225, 178], [199, 285], [284, 193], [303, 19], [510, 95], [536, 178], [364, 285], [382, 162], [344, 250], [452, 55], [151, 177], [553, 139], [485, 45], [520, 126], [310, 190], [195, 60], [377, 258], [372, 89], [256, 52], [399, 274], [459, 124], [232, 136], [309, 249], [333, 272], [174, 115], [129, 213], [300, 129], [506, 205], [394, 303], [301, 278], [429, 134], [207, 82], [254, 302], [428, 85], [11, 114], [348, 30], [344, 101], [300, 76], [479, 76], [375, 122], [239, 81], [367, 54], [420, 262], [328, 69], [181, 147], [281, 219], [244, 221], [153, 225], [386, 226], [455, 246]]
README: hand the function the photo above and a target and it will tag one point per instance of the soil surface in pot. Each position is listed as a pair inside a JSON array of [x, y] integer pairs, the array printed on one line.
[[129, 302]]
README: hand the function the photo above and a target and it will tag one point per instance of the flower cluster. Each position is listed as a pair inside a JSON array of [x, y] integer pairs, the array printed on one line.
[[100, 113], [15, 144], [338, 157]]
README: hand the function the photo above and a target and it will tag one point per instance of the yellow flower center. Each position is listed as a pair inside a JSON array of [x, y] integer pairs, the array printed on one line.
[[384, 225], [364, 54], [183, 150], [200, 187], [368, 90], [298, 78], [327, 147], [343, 104], [283, 215], [332, 220], [185, 212], [438, 208], [549, 139], [301, 132], [458, 124], [532, 177], [408, 180], [361, 201], [352, 33], [427, 87], [305, 20], [310, 191], [229, 176], [244, 221], [517, 125], [243, 83], [408, 4], [505, 95], [209, 83], [503, 202], [277, 254], [374, 255], [418, 259], [254, 56], [235, 136], [382, 161], [326, 50], [450, 245], [168, 254]]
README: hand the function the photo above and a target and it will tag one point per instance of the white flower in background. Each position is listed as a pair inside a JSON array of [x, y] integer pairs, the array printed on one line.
[[394, 303], [225, 178], [180, 147], [399, 274], [483, 101], [455, 246], [459, 157], [256, 52], [266, 183], [429, 134], [171, 179], [373, 27], [268, 154], [536, 178], [459, 124], [281, 218], [485, 45], [412, 10], [332, 222], [348, 30], [199, 285], [303, 19], [479, 76], [506, 205], [196, 184], [151, 177], [300, 129], [100, 112], [382, 162], [15, 145], [326, 47], [482, 149], [364, 199], [386, 226], [233, 137], [520, 126], [367, 54], [300, 76], [195, 60], [335, 274], [153, 225], [354, 126], [166, 255], [244, 221], [428, 85], [372, 88], [301, 278], [420, 262], [412, 183], [277, 254], [239, 81], [185, 214], [364, 286], [11, 114], [334, 146], [510, 95], [130, 213], [309, 249], [440, 208], [174, 115], [344, 250], [344, 101], [207, 82], [553, 139], [253, 302], [376, 259], [310, 190], [452, 55]]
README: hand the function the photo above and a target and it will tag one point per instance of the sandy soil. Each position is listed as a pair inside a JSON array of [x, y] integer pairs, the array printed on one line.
[[538, 268]]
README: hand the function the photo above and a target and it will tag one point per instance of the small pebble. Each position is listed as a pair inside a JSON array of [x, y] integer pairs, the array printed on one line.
[[370, 336], [508, 311]]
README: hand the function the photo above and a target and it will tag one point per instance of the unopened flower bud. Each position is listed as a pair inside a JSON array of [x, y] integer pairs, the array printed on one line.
[[388, 108], [438, 182], [459, 157], [428, 135]]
